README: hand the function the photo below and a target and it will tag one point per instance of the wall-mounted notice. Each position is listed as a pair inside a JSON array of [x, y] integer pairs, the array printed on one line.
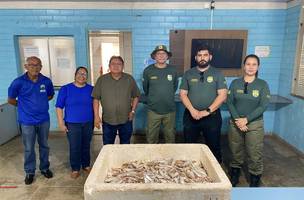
[[262, 51], [29, 50]]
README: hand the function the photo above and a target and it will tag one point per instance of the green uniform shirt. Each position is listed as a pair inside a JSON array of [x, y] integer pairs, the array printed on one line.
[[250, 105], [159, 85], [202, 90], [115, 97]]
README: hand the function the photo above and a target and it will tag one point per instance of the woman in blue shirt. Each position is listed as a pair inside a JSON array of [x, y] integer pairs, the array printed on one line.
[[74, 99]]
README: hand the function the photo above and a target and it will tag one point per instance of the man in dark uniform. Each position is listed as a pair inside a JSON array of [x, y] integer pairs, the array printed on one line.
[[159, 84], [203, 90]]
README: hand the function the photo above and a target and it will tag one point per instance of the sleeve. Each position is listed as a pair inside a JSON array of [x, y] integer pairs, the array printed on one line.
[[96, 93], [184, 84], [13, 89], [145, 82], [135, 90], [230, 102], [264, 101], [221, 82], [50, 88], [61, 99]]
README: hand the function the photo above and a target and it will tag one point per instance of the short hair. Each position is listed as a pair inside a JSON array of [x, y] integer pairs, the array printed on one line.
[[118, 58], [203, 48], [252, 56], [34, 58], [81, 67]]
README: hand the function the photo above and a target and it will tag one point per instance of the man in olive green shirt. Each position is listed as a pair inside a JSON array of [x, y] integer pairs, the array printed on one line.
[[203, 90], [118, 94], [159, 84]]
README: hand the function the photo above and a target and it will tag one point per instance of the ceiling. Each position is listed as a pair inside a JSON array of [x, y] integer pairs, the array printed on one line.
[[155, 0]]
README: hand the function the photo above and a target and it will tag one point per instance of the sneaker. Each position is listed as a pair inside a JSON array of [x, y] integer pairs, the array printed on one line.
[[75, 174], [47, 174], [29, 178], [87, 169]]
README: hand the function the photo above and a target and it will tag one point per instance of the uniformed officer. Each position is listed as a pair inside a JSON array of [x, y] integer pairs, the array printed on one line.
[[248, 98], [160, 83], [203, 90]]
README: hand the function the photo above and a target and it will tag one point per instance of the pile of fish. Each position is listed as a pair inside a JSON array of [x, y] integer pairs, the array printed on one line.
[[159, 171]]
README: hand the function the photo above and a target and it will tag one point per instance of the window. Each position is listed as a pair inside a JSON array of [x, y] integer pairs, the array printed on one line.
[[56, 53]]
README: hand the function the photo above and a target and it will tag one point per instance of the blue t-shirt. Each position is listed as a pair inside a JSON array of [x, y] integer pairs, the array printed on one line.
[[33, 103], [76, 102]]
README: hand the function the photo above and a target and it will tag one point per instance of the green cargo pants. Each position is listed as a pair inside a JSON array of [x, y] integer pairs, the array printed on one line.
[[248, 144], [154, 123]]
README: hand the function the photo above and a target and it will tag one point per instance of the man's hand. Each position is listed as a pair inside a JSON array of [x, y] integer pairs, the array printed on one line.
[[131, 115], [241, 123], [203, 114], [195, 114], [97, 122]]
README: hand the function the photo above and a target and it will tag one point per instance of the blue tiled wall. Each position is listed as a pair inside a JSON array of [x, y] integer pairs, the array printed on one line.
[[289, 121], [149, 28]]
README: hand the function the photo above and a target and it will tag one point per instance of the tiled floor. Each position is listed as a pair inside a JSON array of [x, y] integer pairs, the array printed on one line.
[[282, 167]]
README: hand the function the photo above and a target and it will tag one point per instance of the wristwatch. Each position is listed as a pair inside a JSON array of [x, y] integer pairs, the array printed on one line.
[[208, 110], [133, 111]]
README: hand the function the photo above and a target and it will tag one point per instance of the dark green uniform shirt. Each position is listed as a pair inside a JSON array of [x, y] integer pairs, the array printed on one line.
[[115, 97], [159, 85], [202, 89], [250, 105]]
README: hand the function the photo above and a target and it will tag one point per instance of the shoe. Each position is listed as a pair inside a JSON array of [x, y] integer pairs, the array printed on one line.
[[255, 180], [234, 176], [47, 174], [29, 178], [75, 174], [87, 169]]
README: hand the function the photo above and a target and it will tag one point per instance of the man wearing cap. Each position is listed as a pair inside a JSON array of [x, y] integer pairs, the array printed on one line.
[[118, 94], [203, 90], [31, 93], [160, 82]]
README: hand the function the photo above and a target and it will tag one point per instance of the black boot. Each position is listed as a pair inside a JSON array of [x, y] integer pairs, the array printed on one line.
[[255, 180], [234, 176]]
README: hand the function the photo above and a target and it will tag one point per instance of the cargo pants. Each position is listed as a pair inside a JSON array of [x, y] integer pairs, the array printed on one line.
[[155, 121], [248, 144]]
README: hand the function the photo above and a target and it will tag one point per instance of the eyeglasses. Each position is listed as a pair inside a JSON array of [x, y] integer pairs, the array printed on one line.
[[246, 88], [33, 65], [82, 74], [202, 77]]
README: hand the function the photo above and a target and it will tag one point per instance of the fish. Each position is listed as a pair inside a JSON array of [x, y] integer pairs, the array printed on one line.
[[159, 171]]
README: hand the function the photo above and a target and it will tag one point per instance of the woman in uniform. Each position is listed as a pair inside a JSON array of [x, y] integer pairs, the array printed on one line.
[[76, 101], [248, 98]]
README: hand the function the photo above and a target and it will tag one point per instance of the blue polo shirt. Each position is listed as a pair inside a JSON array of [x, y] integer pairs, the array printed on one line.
[[33, 103], [76, 102]]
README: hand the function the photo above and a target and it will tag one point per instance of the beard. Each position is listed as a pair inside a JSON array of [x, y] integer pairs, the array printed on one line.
[[203, 64]]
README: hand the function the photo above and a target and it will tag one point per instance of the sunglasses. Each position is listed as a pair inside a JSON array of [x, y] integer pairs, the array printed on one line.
[[246, 88], [201, 76]]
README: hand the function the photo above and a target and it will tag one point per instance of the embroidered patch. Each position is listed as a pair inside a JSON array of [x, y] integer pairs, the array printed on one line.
[[153, 77], [194, 80], [240, 91], [210, 79], [255, 93], [169, 77], [229, 92], [42, 88]]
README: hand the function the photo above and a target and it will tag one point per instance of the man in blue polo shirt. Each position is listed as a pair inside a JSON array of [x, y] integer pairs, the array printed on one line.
[[31, 93]]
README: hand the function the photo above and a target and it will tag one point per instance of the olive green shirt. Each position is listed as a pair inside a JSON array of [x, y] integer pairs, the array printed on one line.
[[115, 97], [250, 105], [159, 85], [202, 90]]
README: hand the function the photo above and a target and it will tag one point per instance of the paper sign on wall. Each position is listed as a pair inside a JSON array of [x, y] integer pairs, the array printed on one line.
[[262, 51]]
